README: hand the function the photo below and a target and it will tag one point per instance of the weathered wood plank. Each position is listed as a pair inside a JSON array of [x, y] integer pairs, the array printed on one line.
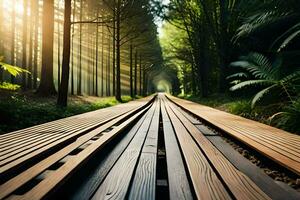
[[238, 183], [50, 183], [206, 183], [265, 183], [21, 179], [177, 177], [144, 180], [93, 180], [116, 183], [287, 157]]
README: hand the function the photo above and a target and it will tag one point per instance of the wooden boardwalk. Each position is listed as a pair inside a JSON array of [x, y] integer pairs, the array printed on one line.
[[146, 149], [278, 145]]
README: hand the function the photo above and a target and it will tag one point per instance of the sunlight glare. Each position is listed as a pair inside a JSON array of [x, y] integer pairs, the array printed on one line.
[[8, 5]]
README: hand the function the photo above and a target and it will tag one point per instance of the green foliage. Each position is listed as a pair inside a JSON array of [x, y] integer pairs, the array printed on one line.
[[267, 76], [289, 118], [9, 86], [13, 70], [19, 112]]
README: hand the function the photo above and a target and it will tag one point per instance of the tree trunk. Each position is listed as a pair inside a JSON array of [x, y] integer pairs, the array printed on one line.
[[102, 61], [36, 42], [13, 33], [97, 57], [30, 63], [118, 51], [58, 47], [1, 39], [131, 74], [108, 68], [72, 65], [135, 73], [46, 87], [24, 43], [114, 52], [140, 91], [63, 92], [79, 91]]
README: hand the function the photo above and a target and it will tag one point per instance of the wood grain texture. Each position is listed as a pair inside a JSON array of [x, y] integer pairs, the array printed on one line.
[[177, 177], [92, 182], [144, 180], [254, 134], [263, 181], [205, 182], [116, 183], [239, 184], [13, 160], [21, 179], [50, 183]]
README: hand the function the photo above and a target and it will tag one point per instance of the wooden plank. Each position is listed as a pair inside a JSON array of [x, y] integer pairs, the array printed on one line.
[[116, 183], [206, 183], [178, 182], [29, 174], [17, 160], [264, 182], [73, 120], [206, 131], [89, 185], [144, 180], [239, 184], [50, 183], [224, 121]]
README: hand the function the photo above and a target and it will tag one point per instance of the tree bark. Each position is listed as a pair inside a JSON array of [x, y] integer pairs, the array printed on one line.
[[108, 68], [131, 69], [118, 51], [102, 61], [13, 33], [30, 62], [36, 42], [140, 91], [97, 57], [63, 92], [135, 73], [79, 91], [46, 87], [58, 47], [114, 52], [72, 64]]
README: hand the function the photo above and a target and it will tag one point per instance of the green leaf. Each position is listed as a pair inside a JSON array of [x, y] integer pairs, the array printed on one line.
[[260, 95], [238, 75], [13, 70], [250, 83]]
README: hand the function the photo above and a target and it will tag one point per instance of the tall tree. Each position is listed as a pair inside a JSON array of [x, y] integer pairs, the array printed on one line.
[[63, 91], [13, 33], [79, 79], [72, 64], [118, 50], [46, 87], [36, 43], [24, 43]]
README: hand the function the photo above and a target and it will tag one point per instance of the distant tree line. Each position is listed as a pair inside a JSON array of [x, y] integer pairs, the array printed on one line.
[[250, 48], [92, 47]]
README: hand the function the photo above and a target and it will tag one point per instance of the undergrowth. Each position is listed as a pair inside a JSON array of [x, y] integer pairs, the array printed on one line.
[[19, 111]]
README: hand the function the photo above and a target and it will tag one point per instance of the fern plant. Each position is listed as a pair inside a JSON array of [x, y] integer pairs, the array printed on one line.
[[13, 70], [265, 74]]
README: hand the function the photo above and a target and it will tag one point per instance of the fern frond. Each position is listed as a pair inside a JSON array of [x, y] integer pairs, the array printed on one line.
[[238, 75], [13, 70], [251, 83], [260, 95], [291, 78]]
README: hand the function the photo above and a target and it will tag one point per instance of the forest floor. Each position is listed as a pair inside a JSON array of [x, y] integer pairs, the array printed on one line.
[[20, 110]]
